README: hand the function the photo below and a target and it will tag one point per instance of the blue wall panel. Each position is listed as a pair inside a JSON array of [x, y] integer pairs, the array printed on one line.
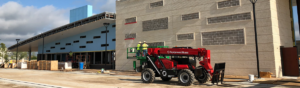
[[81, 13], [74, 47]]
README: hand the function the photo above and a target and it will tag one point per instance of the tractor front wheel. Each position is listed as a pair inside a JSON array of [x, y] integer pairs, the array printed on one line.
[[204, 77], [186, 77], [148, 75]]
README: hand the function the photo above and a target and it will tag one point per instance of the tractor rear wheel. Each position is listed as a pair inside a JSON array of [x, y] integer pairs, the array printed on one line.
[[205, 77], [148, 75], [166, 78], [186, 77]]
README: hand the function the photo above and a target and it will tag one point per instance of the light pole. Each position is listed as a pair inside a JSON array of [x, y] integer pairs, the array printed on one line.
[[106, 25], [256, 45], [17, 50]]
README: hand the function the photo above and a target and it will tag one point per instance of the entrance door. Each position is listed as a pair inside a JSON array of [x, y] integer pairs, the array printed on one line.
[[290, 61]]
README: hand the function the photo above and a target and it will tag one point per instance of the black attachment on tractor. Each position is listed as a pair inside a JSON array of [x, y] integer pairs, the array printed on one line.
[[219, 70]]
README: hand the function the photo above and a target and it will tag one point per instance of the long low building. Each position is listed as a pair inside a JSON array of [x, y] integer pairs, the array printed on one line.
[[85, 37]]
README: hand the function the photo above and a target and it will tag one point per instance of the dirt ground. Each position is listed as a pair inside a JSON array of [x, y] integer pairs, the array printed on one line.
[[10, 85], [85, 79]]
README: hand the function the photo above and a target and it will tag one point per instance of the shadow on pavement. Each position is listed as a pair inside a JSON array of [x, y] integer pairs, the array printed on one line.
[[173, 82]]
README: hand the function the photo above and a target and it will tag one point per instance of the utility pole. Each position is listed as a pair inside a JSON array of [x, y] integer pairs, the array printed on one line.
[[256, 45]]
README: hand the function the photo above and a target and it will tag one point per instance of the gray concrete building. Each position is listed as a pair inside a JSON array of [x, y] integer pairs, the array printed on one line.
[[225, 27]]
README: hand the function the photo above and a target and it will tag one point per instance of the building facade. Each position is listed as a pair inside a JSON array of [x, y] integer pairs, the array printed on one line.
[[225, 27]]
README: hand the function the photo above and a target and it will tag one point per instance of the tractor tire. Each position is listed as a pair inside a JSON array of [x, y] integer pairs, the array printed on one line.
[[186, 77], [166, 78], [148, 75], [138, 69], [204, 78]]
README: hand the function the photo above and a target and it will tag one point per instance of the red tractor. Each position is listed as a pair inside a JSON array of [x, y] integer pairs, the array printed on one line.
[[179, 65]]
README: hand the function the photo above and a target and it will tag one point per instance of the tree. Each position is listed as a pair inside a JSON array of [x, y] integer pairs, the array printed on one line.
[[34, 57], [6, 58], [21, 55], [3, 50]]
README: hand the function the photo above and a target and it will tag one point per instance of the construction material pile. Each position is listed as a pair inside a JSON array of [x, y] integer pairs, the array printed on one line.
[[32, 64], [48, 65]]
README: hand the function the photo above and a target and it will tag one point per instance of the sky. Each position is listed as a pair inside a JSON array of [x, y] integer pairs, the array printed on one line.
[[22, 19], [296, 22]]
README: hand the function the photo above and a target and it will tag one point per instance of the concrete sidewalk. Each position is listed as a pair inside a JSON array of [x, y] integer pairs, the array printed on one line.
[[287, 81]]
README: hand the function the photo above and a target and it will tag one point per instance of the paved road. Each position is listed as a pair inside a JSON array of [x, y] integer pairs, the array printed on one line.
[[55, 79]]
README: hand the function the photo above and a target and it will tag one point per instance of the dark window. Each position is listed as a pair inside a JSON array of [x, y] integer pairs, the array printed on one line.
[[57, 43], [228, 3], [98, 57], [68, 43], [81, 46], [155, 44], [230, 18], [91, 55], [76, 41], [155, 24], [47, 50], [63, 48], [185, 36], [89, 42], [102, 45], [52, 47], [82, 36], [113, 25], [132, 35], [223, 37], [113, 39], [130, 20], [95, 37], [105, 31], [190, 16], [157, 4]]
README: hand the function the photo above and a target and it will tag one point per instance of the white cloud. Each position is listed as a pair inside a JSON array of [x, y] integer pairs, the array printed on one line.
[[17, 21], [109, 5], [10, 39]]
